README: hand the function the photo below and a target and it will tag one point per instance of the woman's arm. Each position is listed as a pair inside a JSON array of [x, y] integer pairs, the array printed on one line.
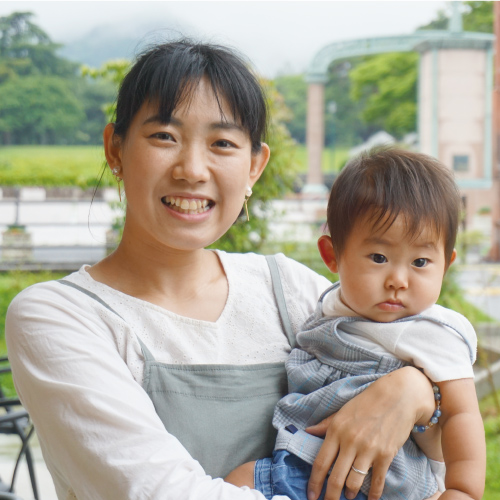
[[99, 429], [463, 441], [368, 432]]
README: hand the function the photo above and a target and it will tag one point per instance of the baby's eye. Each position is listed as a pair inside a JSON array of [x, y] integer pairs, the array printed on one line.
[[378, 258], [420, 262]]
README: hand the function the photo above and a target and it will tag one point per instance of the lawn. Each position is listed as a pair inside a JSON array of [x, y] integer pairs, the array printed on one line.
[[81, 166], [51, 166], [332, 161]]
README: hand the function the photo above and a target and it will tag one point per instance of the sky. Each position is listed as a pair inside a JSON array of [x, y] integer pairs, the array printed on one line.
[[277, 36]]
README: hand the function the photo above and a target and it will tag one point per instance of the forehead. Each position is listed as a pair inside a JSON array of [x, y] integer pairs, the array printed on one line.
[[202, 110], [395, 230]]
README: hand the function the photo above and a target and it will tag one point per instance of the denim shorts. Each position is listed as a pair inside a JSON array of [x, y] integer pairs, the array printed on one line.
[[286, 474]]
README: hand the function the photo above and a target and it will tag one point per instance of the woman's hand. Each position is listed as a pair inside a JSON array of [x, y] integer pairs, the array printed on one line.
[[368, 432]]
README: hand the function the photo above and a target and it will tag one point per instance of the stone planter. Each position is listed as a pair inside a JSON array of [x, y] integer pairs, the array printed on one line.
[[16, 245]]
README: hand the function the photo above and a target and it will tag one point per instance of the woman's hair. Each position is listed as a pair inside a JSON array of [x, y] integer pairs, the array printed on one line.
[[167, 75], [386, 182]]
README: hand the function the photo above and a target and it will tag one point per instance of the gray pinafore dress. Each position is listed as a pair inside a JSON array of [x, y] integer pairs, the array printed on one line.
[[222, 414], [326, 372]]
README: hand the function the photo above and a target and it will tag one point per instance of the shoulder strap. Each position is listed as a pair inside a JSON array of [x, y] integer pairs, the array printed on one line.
[[145, 351], [90, 294], [280, 299]]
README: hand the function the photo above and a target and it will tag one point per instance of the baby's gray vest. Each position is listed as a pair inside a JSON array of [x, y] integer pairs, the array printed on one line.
[[222, 414], [326, 372]]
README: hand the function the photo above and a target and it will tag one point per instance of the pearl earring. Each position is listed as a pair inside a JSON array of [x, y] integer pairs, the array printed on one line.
[[115, 171], [248, 193]]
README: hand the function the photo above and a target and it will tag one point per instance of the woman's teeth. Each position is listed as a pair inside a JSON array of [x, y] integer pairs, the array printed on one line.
[[187, 206]]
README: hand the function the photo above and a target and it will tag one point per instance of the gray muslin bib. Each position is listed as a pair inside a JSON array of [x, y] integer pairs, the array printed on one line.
[[222, 414]]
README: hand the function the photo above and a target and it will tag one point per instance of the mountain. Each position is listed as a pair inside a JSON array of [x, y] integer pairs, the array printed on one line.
[[121, 41]]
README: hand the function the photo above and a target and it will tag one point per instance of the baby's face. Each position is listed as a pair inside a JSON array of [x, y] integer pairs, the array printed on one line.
[[385, 275]]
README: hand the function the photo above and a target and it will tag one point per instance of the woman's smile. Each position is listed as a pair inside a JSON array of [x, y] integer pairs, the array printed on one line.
[[190, 206]]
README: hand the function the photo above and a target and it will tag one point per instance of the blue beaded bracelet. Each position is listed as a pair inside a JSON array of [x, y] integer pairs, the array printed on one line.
[[435, 416]]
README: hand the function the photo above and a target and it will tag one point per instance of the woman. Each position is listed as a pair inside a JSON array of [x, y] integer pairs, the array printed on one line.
[[165, 342]]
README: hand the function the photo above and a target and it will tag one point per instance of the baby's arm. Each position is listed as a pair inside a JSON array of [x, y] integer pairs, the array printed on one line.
[[430, 442], [463, 440]]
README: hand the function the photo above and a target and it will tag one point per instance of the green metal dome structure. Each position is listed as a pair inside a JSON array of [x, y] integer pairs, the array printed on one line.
[[454, 100]]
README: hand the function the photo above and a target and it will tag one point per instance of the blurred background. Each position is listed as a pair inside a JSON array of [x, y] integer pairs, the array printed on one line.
[[340, 77]]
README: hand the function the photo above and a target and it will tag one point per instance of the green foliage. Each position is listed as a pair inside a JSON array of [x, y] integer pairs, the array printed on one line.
[[52, 166], [452, 298], [25, 49], [386, 84], [112, 72], [293, 88], [39, 110], [38, 104], [44, 100], [92, 96], [491, 420], [343, 125], [10, 285], [478, 17]]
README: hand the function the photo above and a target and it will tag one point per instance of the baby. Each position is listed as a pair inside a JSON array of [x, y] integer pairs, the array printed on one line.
[[393, 217]]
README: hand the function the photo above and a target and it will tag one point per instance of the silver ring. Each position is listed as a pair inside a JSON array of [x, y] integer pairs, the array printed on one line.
[[359, 471]]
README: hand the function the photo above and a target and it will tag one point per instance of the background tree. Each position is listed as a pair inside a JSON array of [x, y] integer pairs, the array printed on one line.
[[344, 127], [39, 110], [25, 49], [386, 84], [60, 106], [476, 16]]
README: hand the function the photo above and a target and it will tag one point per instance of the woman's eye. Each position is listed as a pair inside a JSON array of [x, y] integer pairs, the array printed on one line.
[[378, 258], [163, 136], [420, 262]]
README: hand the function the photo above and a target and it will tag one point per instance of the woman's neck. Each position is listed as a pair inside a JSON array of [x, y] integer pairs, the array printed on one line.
[[189, 283]]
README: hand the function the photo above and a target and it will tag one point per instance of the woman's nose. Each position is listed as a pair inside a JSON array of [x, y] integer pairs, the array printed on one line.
[[192, 165]]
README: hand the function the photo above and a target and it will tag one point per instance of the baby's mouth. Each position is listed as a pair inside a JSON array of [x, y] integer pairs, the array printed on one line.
[[187, 205]]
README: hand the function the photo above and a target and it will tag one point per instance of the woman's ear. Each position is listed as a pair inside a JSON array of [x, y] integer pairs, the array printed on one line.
[[327, 253], [258, 163], [112, 146]]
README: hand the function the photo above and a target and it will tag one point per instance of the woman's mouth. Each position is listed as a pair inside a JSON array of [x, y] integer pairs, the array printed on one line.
[[190, 206]]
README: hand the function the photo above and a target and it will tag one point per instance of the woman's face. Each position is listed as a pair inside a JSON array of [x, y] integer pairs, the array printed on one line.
[[185, 181]]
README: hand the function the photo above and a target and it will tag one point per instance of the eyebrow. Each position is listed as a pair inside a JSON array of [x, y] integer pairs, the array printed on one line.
[[382, 241], [178, 123]]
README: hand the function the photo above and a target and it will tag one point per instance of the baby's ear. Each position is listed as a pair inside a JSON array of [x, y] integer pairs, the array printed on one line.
[[453, 257], [327, 253]]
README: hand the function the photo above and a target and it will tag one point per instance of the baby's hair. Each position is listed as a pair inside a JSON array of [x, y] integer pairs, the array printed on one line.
[[386, 182]]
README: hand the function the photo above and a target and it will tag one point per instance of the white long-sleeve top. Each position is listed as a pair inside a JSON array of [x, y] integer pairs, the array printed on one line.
[[78, 371]]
